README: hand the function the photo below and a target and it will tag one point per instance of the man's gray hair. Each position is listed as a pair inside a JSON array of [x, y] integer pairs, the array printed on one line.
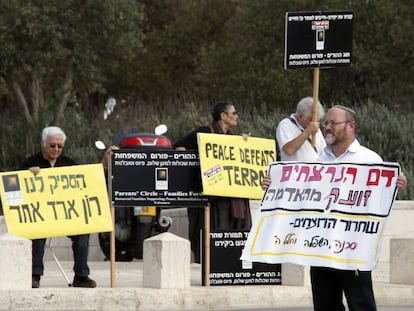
[[52, 131], [305, 107]]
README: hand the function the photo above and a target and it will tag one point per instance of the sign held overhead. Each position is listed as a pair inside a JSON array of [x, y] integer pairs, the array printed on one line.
[[318, 39]]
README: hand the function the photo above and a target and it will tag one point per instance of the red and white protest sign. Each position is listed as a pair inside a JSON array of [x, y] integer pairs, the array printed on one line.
[[321, 214]]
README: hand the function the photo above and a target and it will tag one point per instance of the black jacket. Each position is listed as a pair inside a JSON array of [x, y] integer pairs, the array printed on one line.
[[38, 160], [190, 141]]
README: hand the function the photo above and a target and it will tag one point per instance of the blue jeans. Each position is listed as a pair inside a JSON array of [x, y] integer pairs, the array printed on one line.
[[80, 248]]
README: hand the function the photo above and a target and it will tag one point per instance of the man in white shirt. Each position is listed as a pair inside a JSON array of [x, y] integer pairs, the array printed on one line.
[[293, 134], [329, 284]]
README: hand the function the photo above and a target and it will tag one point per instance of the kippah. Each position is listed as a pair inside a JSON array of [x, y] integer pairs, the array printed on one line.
[[347, 109]]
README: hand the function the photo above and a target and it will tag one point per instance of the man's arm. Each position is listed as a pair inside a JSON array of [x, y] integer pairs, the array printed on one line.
[[292, 146], [31, 164], [189, 141]]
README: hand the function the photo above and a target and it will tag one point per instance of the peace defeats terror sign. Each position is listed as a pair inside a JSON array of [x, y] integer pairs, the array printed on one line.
[[318, 39]]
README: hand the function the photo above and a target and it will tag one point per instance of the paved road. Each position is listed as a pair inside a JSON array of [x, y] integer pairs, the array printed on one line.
[[380, 308]]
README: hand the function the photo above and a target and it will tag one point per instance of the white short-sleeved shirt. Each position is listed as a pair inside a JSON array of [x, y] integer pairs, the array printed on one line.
[[287, 130], [355, 154]]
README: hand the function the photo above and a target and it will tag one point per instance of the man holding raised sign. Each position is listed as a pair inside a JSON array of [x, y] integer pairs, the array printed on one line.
[[293, 134], [329, 284]]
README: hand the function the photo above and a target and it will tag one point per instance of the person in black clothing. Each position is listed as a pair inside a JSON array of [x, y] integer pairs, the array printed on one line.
[[52, 143], [226, 213]]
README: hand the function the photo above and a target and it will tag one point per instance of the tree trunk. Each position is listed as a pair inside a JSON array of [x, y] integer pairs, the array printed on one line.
[[65, 94], [19, 96], [36, 95], [29, 105]]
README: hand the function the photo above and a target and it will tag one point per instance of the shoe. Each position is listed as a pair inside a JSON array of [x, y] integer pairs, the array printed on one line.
[[83, 281], [35, 281]]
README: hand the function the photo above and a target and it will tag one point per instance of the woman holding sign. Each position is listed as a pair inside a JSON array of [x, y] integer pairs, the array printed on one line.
[[226, 213]]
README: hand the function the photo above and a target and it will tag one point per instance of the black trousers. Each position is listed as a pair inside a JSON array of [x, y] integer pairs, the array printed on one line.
[[195, 227], [80, 248], [221, 218], [329, 285]]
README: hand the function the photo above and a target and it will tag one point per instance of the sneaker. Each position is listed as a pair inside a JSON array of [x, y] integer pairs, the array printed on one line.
[[83, 281], [35, 281]]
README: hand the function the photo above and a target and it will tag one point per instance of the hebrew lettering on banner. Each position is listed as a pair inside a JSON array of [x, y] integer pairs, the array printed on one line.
[[323, 214], [58, 201]]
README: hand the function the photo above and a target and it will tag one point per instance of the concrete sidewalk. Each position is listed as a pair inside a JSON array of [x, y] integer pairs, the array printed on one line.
[[129, 294]]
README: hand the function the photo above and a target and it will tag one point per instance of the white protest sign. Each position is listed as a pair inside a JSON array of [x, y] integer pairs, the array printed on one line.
[[322, 214]]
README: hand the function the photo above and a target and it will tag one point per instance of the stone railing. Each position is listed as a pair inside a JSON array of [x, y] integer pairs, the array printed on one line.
[[398, 240]]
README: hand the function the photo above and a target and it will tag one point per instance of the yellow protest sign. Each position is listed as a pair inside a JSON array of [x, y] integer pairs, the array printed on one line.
[[59, 201], [232, 166]]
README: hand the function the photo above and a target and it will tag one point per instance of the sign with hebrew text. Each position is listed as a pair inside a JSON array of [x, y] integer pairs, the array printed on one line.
[[318, 39], [59, 201], [226, 268], [160, 177], [320, 214]]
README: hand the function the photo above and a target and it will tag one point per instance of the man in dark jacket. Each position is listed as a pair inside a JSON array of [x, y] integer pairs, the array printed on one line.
[[53, 141]]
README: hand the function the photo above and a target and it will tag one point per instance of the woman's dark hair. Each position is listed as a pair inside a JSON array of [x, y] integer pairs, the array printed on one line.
[[218, 108]]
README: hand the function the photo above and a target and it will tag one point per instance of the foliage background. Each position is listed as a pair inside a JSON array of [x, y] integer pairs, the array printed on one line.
[[168, 61]]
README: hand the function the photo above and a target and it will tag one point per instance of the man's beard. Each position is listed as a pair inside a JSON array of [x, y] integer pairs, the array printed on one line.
[[330, 138]]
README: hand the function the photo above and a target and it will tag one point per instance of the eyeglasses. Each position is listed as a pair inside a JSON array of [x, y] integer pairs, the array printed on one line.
[[333, 124], [234, 113], [53, 146]]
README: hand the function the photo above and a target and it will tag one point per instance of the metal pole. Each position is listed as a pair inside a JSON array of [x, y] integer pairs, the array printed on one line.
[[49, 248]]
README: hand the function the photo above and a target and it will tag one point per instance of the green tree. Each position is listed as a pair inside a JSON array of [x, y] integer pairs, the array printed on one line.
[[175, 34], [168, 61], [53, 50], [383, 49]]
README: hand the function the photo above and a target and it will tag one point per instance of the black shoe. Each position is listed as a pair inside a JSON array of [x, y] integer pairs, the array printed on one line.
[[35, 281], [83, 281]]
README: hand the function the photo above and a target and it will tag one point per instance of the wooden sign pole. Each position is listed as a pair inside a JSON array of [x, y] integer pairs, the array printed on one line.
[[315, 100], [112, 235], [206, 246]]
